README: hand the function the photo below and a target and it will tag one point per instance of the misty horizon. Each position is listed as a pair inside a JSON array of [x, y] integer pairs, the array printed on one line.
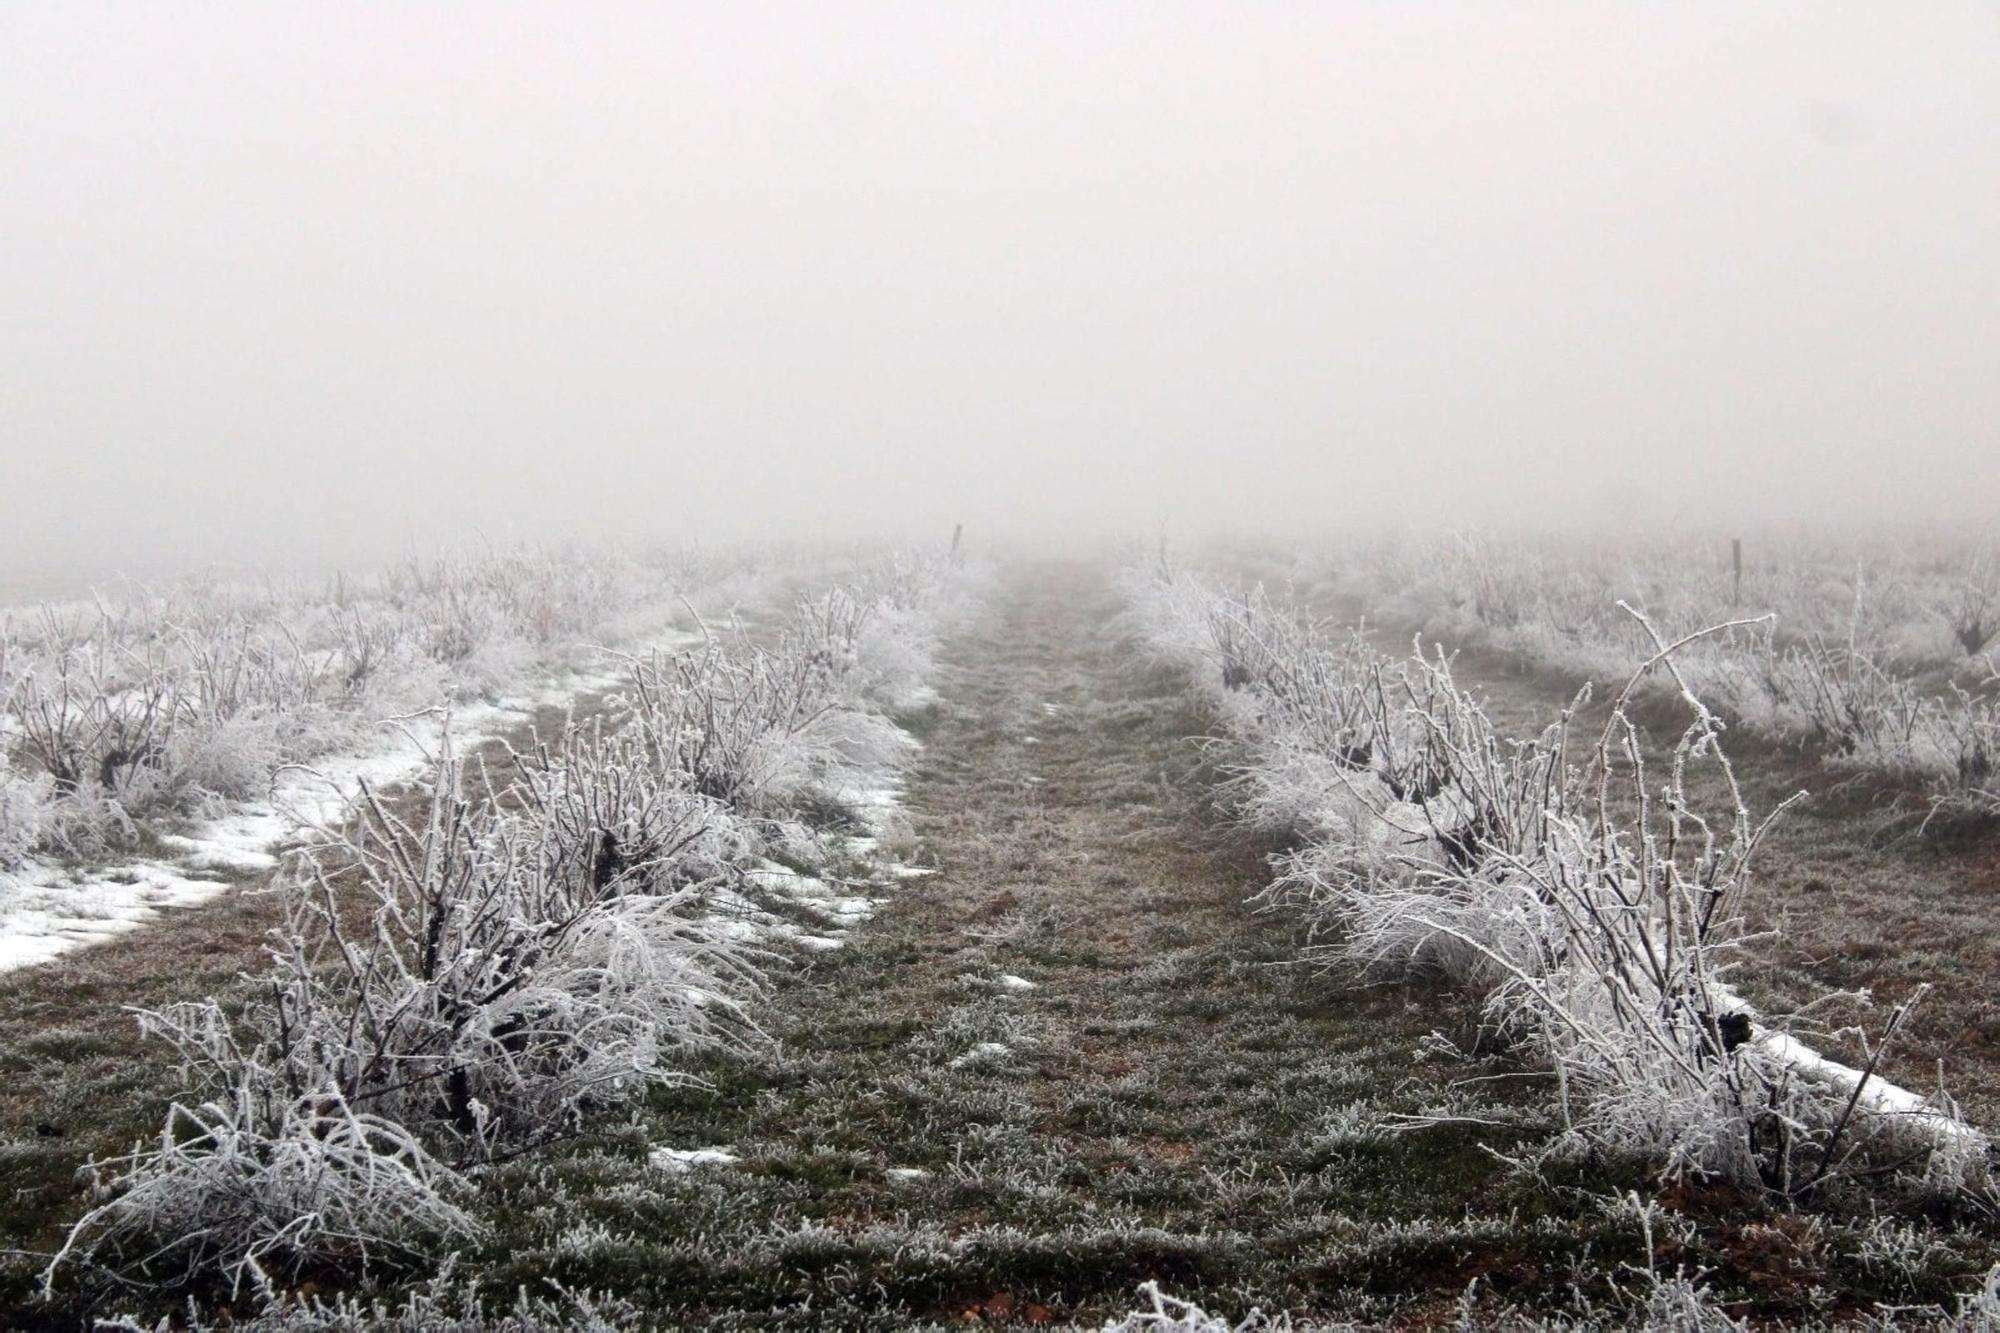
[[294, 287]]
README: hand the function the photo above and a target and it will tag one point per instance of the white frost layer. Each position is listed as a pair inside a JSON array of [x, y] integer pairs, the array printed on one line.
[[907, 1173], [46, 911], [1012, 982]]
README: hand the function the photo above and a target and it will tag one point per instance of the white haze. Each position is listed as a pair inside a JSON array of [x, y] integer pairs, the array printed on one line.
[[294, 283]]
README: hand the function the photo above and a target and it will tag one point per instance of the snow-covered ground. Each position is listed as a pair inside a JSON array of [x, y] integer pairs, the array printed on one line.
[[678, 1160], [831, 901], [48, 909], [44, 913]]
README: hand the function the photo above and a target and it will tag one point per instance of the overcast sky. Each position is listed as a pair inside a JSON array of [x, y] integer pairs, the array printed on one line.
[[285, 283]]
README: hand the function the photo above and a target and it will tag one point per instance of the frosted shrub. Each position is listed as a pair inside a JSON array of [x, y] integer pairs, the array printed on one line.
[[94, 719], [448, 610], [157, 704], [550, 598], [25, 815], [235, 757], [463, 977], [614, 813], [442, 991], [510, 974], [1970, 608], [1879, 656], [1597, 916], [262, 1176], [865, 654], [894, 650], [760, 728], [496, 661], [746, 727]]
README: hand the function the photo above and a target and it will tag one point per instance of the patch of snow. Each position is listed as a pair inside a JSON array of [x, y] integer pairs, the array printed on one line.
[[682, 1160], [775, 878], [872, 802], [874, 795], [236, 843], [986, 1052], [907, 1173], [45, 913], [1878, 1096], [739, 918], [865, 847], [1012, 982]]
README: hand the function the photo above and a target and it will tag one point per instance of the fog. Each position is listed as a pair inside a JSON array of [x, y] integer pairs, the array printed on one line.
[[291, 284]]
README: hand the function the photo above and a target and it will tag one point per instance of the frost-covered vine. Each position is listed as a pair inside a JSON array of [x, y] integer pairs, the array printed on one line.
[[1593, 903], [469, 973]]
